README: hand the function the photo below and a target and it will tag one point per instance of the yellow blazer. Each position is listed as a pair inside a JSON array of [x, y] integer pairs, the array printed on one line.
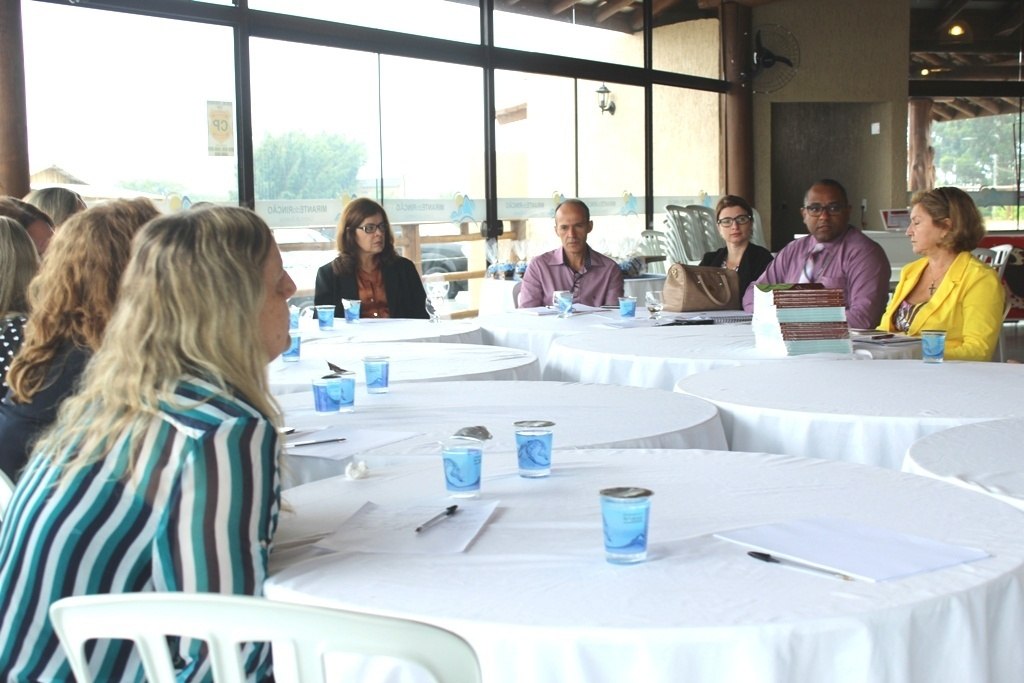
[[968, 305]]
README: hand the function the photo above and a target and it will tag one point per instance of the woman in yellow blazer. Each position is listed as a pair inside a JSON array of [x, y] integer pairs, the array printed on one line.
[[948, 289]]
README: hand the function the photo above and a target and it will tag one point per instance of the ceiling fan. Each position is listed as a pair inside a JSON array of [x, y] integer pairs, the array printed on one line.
[[776, 58]]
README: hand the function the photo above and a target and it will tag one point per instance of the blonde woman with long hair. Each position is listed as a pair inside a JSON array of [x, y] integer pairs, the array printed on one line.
[[71, 300], [162, 473], [18, 264]]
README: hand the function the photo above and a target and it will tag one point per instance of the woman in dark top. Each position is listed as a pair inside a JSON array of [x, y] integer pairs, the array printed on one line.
[[71, 300], [736, 225], [18, 264], [368, 269]]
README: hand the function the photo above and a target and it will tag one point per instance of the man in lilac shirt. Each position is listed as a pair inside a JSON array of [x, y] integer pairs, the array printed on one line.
[[843, 258], [593, 278]]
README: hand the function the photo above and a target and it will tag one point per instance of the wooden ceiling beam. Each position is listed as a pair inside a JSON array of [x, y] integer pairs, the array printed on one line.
[[948, 13], [1012, 19], [612, 8], [965, 107], [715, 4], [559, 6], [990, 105], [979, 46]]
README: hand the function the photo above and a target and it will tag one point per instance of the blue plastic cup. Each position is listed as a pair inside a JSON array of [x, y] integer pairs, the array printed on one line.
[[625, 512], [334, 394], [534, 449], [294, 348], [327, 394], [933, 345], [376, 374], [462, 470], [325, 316], [293, 317], [627, 306], [352, 308]]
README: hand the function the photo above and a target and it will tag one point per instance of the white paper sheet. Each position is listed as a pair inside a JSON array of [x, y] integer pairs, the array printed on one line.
[[860, 550], [538, 310], [377, 529], [356, 441]]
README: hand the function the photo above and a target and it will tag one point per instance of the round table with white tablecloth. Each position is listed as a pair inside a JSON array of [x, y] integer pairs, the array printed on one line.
[[861, 412], [982, 456], [410, 362], [658, 357], [585, 416], [393, 329], [535, 333], [535, 598]]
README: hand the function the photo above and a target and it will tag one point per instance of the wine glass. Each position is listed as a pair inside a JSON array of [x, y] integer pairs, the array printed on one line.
[[437, 292], [654, 304]]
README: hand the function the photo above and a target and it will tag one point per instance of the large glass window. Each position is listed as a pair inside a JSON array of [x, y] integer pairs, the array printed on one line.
[[983, 155], [582, 30], [686, 148], [434, 18], [132, 113], [554, 142]]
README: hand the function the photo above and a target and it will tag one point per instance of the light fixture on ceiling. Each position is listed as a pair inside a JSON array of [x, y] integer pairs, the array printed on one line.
[[604, 100], [956, 29]]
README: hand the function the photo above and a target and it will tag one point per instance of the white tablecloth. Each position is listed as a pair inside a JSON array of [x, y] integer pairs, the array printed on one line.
[[410, 362], [535, 333], [657, 357], [394, 329], [534, 597], [584, 416], [983, 456], [861, 412]]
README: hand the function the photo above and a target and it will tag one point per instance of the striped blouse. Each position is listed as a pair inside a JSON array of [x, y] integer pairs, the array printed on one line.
[[197, 515]]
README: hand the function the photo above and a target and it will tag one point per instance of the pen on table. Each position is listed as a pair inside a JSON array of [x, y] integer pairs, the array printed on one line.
[[796, 564], [313, 442], [883, 336], [438, 518]]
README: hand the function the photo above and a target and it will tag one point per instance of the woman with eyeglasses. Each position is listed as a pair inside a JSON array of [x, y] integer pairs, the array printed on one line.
[[368, 269], [736, 224], [948, 289]]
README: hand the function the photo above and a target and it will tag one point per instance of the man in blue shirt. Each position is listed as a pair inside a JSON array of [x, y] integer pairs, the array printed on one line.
[[593, 278]]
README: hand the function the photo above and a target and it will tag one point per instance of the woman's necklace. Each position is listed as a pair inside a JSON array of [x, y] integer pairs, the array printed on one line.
[[937, 279]]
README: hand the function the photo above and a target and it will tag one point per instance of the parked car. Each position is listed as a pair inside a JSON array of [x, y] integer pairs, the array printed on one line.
[[302, 265], [446, 257]]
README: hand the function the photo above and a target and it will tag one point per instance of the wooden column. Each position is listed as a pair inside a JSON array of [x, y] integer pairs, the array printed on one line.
[[13, 125], [921, 155], [738, 115]]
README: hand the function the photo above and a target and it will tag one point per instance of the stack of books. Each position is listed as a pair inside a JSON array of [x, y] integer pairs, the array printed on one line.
[[793, 319]]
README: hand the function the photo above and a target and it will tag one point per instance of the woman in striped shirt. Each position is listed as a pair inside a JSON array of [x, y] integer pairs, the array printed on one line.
[[162, 473]]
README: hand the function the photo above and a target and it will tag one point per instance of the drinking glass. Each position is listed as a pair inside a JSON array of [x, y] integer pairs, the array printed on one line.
[[654, 304], [562, 300], [437, 292]]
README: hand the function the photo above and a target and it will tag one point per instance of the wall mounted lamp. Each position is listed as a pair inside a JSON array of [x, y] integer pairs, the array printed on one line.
[[604, 100]]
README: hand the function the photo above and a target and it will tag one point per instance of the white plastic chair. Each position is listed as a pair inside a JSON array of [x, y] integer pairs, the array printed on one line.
[[299, 635], [705, 218], [757, 235], [984, 255], [690, 232], [6, 492], [1000, 257]]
